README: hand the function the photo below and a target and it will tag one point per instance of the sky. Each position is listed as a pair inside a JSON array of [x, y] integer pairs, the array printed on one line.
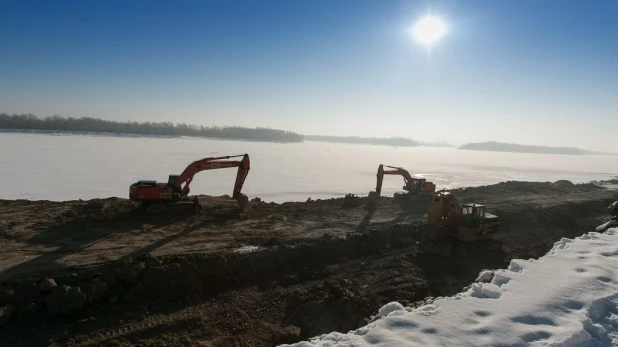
[[530, 72]]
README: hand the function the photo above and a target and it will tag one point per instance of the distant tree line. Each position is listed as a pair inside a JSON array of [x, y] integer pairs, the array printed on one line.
[[391, 141], [85, 124], [512, 147]]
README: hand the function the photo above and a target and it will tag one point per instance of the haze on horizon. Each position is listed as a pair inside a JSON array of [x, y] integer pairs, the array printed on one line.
[[526, 72]]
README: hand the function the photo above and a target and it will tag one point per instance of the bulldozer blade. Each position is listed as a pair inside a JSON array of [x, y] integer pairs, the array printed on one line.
[[467, 250], [440, 248]]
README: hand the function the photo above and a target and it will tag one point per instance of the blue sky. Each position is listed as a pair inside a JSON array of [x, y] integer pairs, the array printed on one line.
[[535, 72]]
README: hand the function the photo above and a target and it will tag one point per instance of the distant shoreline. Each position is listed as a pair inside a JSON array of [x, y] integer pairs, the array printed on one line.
[[377, 141], [127, 135], [493, 146], [481, 147], [28, 123]]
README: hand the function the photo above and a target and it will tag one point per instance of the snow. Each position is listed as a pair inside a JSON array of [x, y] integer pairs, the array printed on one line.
[[569, 297], [390, 308]]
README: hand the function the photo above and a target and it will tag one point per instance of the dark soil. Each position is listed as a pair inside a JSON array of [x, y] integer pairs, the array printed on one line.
[[123, 278]]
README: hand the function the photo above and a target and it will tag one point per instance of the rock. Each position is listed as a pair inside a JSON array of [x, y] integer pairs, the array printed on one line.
[[27, 311], [95, 290], [290, 334], [87, 320], [64, 300], [339, 292], [25, 293], [74, 301], [109, 275], [7, 295], [130, 273], [6, 312], [46, 285], [564, 184], [55, 298]]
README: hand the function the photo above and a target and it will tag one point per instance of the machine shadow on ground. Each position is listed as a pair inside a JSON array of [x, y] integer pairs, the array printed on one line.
[[73, 235]]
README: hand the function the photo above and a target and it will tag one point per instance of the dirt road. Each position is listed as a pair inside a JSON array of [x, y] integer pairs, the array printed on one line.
[[277, 273]]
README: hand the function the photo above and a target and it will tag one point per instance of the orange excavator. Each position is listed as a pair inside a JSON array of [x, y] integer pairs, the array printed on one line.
[[413, 185], [158, 196]]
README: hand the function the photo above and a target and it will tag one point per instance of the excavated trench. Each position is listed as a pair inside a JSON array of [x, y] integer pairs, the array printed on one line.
[[172, 278], [324, 294]]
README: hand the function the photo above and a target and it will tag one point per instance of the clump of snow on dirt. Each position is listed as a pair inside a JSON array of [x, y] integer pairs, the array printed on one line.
[[390, 307], [485, 276], [569, 297]]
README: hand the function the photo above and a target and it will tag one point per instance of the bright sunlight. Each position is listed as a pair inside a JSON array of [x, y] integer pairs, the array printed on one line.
[[429, 30]]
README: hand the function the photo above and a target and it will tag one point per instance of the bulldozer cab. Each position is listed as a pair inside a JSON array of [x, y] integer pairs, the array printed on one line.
[[472, 215]]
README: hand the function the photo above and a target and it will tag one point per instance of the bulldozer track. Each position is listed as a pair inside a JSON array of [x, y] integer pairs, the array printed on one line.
[[146, 324]]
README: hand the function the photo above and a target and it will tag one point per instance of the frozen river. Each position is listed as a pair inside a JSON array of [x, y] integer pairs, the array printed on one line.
[[66, 166]]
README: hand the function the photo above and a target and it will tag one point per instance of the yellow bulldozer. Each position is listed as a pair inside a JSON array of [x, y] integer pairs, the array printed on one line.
[[460, 229]]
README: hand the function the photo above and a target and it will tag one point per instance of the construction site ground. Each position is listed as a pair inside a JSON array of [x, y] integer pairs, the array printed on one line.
[[277, 273]]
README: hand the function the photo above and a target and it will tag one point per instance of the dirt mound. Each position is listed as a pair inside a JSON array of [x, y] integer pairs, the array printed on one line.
[[339, 310], [523, 188], [564, 184]]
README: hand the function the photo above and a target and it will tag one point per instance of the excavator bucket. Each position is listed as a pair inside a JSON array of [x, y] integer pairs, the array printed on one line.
[[243, 201], [372, 200]]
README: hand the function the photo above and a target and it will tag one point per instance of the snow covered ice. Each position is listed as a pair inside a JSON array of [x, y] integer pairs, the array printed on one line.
[[569, 297]]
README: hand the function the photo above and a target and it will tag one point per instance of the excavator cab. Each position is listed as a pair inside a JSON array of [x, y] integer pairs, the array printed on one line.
[[472, 215], [415, 185], [176, 193], [172, 180]]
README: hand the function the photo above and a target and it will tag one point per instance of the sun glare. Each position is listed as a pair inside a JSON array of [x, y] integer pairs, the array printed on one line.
[[429, 30]]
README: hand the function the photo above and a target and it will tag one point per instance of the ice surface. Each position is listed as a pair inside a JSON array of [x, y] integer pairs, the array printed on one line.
[[66, 167], [569, 297]]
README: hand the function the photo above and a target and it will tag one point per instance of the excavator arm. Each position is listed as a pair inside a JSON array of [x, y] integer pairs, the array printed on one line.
[[213, 163], [394, 171]]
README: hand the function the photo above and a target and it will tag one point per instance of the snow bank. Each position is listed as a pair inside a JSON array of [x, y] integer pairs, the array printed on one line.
[[569, 297]]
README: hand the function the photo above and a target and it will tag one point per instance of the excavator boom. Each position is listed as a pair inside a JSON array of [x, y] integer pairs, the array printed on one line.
[[214, 163], [177, 186], [394, 171]]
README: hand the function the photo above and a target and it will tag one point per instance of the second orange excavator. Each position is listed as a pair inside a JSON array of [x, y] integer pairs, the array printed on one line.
[[412, 185], [158, 196]]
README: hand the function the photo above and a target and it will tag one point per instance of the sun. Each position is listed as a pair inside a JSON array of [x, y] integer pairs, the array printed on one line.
[[428, 30]]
